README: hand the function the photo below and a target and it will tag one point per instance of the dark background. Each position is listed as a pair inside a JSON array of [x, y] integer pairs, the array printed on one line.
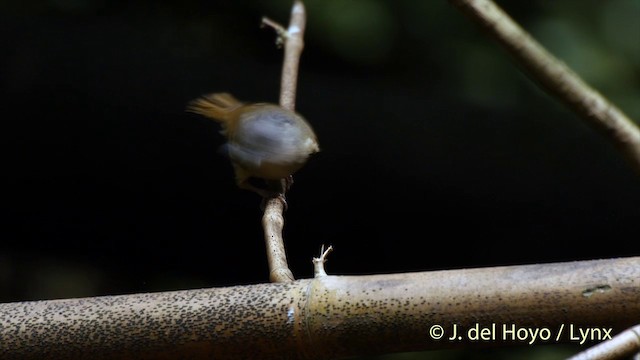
[[437, 152]]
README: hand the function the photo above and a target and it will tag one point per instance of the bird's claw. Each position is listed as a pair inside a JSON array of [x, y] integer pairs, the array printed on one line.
[[273, 195]]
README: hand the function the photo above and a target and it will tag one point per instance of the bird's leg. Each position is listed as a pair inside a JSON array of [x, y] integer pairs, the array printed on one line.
[[242, 180], [246, 185], [277, 189], [274, 188], [266, 194], [288, 181]]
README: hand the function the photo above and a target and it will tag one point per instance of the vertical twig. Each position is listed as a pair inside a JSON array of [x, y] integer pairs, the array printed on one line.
[[272, 219], [294, 44], [556, 77], [318, 263]]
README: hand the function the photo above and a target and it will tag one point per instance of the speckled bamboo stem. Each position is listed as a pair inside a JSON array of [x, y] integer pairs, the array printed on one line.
[[327, 317]]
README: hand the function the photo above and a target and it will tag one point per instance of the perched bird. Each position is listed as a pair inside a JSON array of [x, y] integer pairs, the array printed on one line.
[[264, 140]]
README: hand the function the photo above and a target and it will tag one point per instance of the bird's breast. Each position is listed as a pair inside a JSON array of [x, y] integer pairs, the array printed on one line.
[[271, 142]]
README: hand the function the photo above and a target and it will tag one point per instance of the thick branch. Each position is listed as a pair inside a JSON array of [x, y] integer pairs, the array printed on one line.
[[329, 316], [272, 219], [556, 77]]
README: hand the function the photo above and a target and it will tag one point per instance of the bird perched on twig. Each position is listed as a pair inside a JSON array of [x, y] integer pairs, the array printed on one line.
[[264, 140]]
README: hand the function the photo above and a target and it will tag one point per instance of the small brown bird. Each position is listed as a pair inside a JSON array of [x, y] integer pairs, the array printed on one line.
[[264, 140]]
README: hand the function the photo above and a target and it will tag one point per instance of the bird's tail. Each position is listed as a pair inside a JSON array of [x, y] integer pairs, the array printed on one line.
[[217, 106]]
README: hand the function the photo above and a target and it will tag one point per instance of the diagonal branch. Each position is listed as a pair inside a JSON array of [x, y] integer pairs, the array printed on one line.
[[272, 219], [620, 346], [556, 77]]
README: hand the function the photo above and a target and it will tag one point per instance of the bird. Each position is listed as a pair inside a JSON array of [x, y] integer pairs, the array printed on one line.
[[264, 140]]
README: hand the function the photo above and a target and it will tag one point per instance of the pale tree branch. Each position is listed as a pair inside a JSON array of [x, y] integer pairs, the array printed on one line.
[[556, 77], [564, 84], [273, 219], [332, 316], [621, 346]]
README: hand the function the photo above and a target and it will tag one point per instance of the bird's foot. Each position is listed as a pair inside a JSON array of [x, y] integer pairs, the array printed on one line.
[[268, 195]]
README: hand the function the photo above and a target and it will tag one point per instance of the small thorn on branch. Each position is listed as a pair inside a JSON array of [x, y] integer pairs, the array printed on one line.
[[318, 263], [279, 29]]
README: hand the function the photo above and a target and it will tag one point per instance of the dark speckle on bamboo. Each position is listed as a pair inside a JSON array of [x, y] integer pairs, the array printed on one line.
[[325, 317], [155, 325]]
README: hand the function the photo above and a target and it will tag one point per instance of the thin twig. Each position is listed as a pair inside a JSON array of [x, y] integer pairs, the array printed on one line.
[[318, 263], [294, 43], [620, 346], [279, 29], [272, 224], [556, 77], [272, 220]]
